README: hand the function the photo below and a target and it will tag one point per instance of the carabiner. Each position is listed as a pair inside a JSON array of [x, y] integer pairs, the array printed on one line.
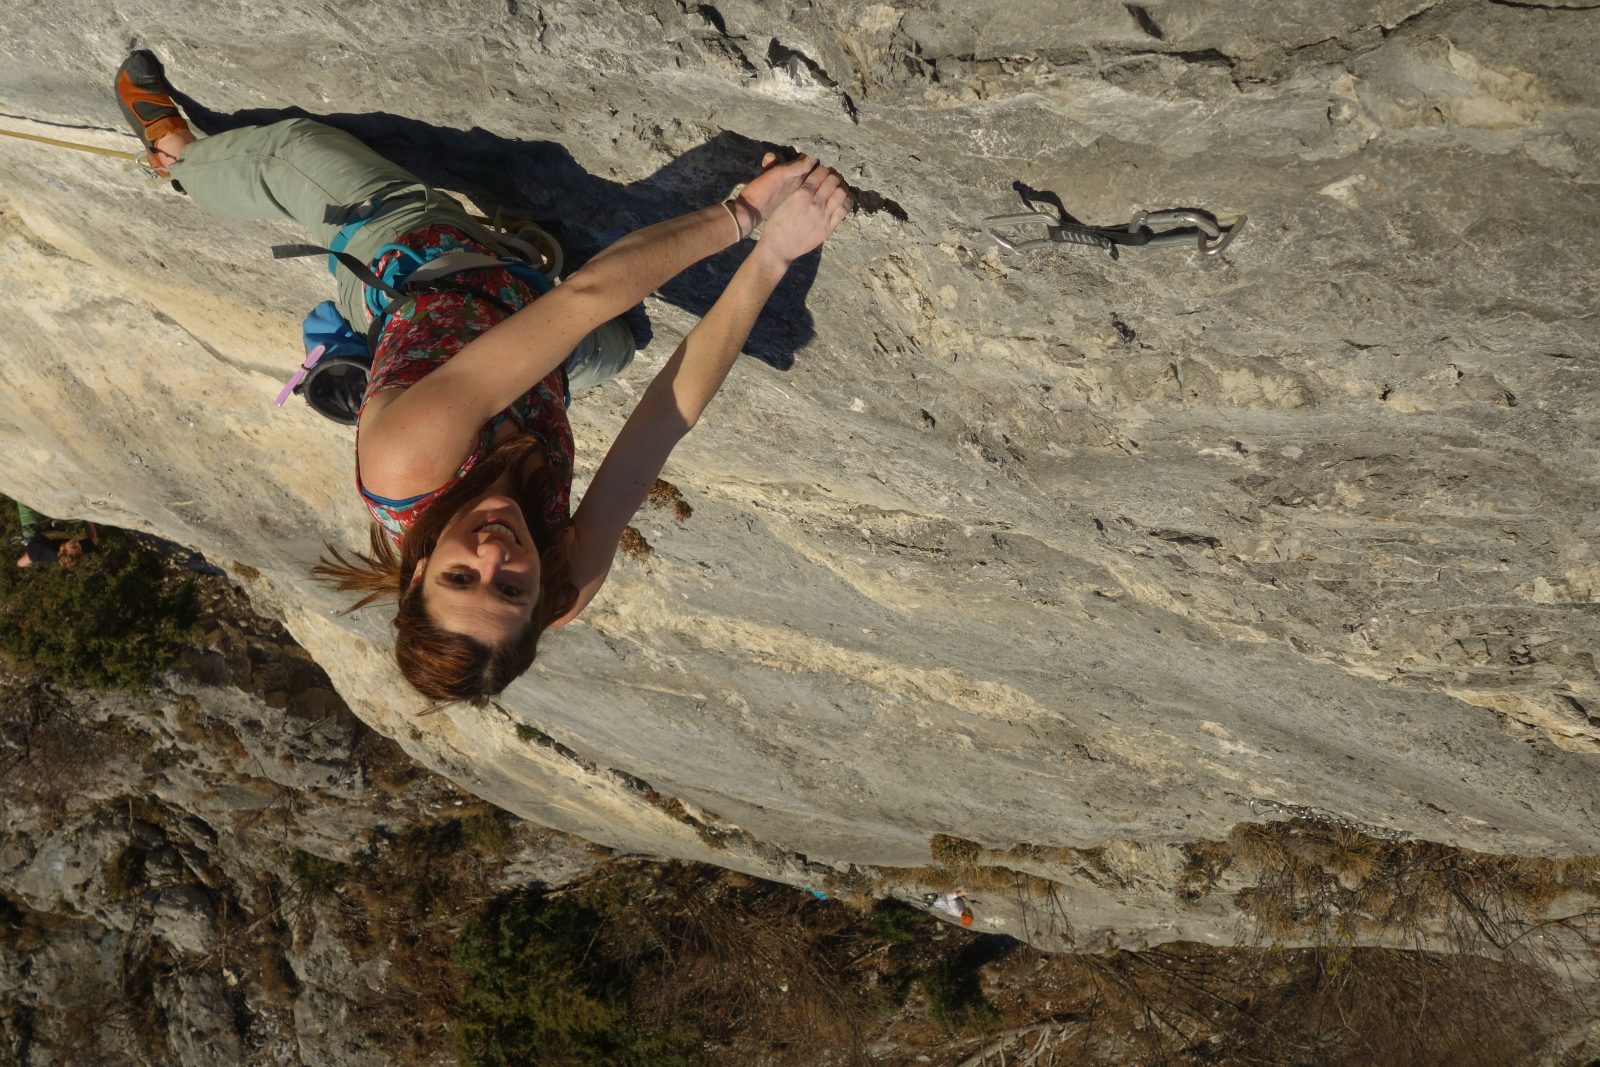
[[1203, 226]]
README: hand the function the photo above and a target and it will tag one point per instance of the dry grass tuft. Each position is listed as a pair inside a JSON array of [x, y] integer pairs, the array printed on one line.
[[1315, 882], [666, 495], [1188, 1005], [633, 545], [276, 977], [741, 962], [955, 854]]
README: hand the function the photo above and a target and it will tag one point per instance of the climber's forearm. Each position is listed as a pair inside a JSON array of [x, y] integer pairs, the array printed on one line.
[[670, 407], [685, 385], [419, 439], [493, 370], [672, 403]]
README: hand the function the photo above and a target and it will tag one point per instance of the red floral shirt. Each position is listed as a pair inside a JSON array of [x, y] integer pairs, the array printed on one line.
[[424, 334]]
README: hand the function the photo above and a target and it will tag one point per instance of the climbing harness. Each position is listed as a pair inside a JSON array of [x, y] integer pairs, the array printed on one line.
[[411, 274], [333, 377], [1192, 227]]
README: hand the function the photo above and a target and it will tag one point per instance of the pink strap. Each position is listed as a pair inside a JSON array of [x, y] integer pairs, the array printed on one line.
[[299, 375]]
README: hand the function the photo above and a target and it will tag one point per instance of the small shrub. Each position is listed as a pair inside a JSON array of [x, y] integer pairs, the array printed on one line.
[[424, 861], [954, 853], [316, 876], [111, 622], [539, 990], [889, 995], [124, 872], [955, 999], [1205, 863], [487, 831], [428, 845], [1333, 885], [897, 922]]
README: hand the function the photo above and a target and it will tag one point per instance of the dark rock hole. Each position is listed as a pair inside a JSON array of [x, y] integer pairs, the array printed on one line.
[[1146, 21]]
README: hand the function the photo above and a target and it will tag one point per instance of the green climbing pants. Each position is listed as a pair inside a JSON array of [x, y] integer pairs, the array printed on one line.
[[322, 178], [29, 520]]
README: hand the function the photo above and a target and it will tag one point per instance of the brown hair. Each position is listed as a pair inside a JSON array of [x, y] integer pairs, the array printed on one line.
[[68, 556], [441, 664]]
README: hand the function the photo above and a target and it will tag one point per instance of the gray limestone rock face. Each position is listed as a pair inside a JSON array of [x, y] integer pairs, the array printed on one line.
[[183, 917], [1048, 548], [200, 1025], [543, 858], [153, 861], [326, 1022]]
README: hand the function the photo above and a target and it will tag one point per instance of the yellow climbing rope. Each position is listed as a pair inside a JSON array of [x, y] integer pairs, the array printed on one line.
[[133, 156]]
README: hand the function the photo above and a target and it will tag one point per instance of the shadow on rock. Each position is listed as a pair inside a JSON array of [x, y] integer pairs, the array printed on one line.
[[540, 180]]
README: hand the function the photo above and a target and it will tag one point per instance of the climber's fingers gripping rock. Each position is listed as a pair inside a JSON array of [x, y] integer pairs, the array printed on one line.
[[806, 219]]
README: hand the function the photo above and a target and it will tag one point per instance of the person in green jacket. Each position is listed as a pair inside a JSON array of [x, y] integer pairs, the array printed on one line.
[[39, 547]]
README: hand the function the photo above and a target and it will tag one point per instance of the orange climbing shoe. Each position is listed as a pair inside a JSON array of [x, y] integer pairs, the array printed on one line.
[[146, 101]]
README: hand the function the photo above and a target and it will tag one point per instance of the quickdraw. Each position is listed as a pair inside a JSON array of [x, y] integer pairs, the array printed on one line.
[[1192, 227]]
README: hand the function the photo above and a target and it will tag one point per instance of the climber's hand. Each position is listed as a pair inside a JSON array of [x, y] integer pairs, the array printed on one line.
[[805, 219], [775, 184]]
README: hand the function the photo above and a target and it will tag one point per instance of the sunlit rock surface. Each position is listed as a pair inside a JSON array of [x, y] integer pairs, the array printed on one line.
[[1050, 549]]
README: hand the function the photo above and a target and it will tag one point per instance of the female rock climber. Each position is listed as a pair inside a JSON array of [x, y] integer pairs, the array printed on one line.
[[463, 450]]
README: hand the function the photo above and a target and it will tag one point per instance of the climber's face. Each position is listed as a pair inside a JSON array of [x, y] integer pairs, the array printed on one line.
[[482, 577]]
